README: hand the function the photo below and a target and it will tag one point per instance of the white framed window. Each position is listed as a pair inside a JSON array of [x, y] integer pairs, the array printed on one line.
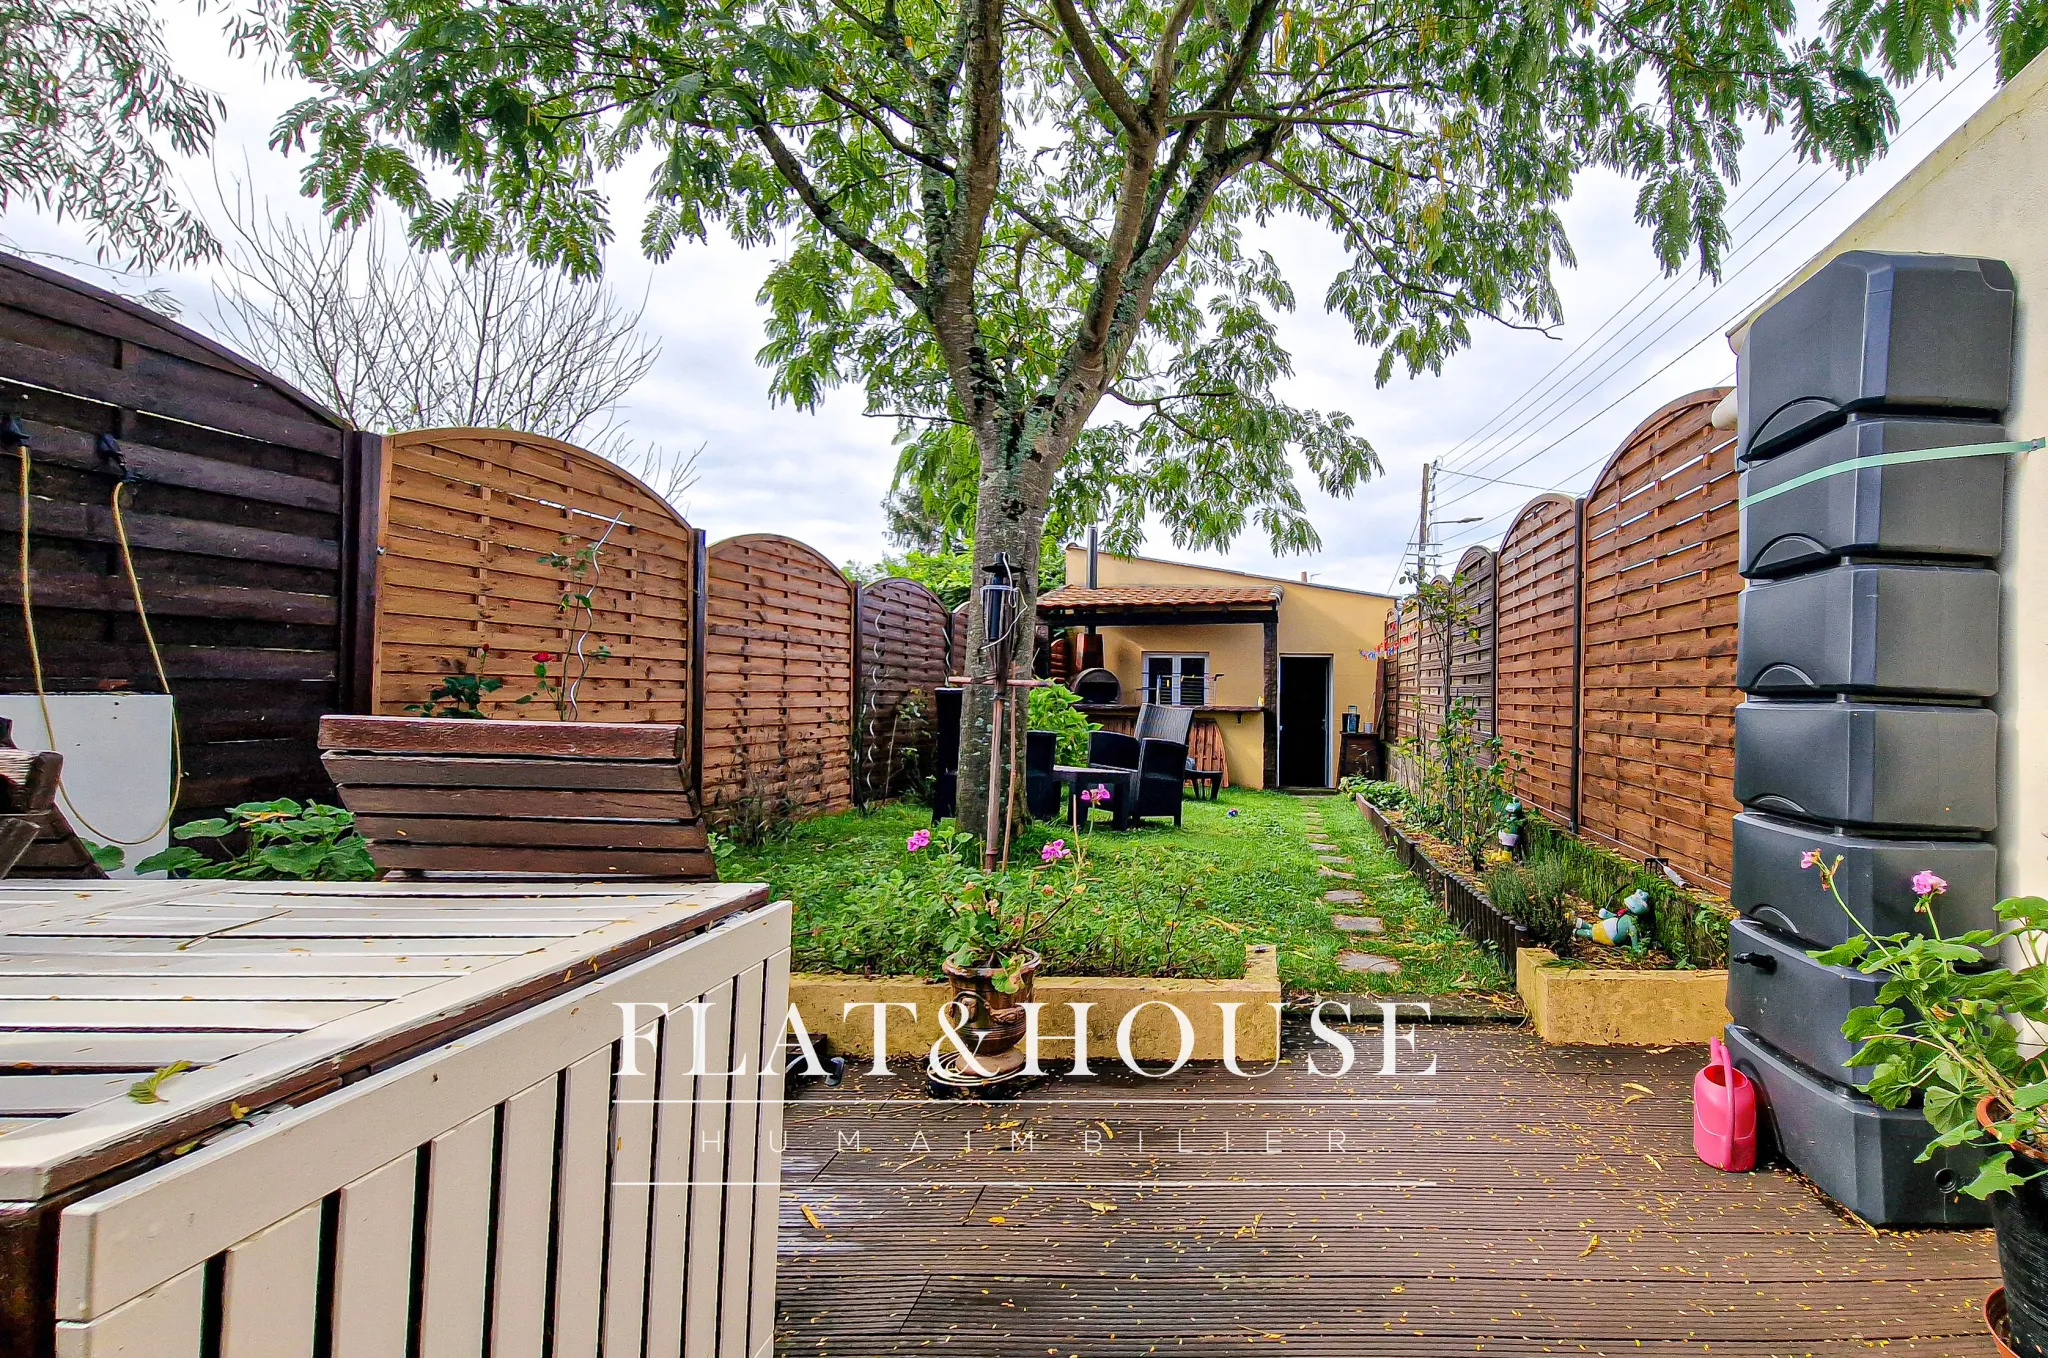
[[1178, 679]]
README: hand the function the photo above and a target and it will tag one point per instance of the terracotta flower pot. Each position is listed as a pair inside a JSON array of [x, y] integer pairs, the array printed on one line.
[[2021, 1219], [994, 1021]]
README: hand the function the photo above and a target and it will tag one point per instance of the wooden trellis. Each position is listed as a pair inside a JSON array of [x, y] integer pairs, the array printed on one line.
[[1658, 696], [778, 679], [1471, 636], [1537, 649], [905, 642], [482, 533]]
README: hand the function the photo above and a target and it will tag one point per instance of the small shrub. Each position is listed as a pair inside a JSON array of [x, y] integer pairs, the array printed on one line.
[[1534, 896], [1384, 795], [270, 841], [1053, 709]]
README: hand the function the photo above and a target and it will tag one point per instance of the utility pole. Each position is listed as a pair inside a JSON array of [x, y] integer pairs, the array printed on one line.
[[1422, 571]]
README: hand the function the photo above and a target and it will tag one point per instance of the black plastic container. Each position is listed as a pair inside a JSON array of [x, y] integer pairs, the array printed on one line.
[[1869, 765], [1793, 1002], [2022, 1220], [1873, 629], [1948, 509], [1875, 878], [1863, 1156], [1872, 330]]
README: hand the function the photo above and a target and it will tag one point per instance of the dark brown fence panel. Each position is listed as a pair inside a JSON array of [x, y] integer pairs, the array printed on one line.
[[242, 514], [905, 640], [1472, 636], [778, 681], [1658, 678], [1536, 649], [477, 526]]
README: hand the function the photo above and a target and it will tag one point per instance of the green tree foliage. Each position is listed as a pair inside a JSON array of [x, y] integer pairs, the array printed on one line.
[[1019, 225], [87, 97]]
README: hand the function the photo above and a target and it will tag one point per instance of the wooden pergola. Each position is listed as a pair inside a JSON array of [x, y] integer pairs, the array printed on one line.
[[1184, 606]]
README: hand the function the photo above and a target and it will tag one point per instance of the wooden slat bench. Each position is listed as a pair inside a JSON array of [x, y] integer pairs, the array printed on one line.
[[505, 798]]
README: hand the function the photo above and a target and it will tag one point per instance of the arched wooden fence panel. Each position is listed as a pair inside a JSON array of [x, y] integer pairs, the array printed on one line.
[[905, 642], [1432, 644], [1658, 675], [778, 679], [490, 541], [1536, 652], [1471, 636]]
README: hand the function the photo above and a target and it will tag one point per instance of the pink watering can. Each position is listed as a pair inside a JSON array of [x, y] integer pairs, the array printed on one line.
[[1724, 1113]]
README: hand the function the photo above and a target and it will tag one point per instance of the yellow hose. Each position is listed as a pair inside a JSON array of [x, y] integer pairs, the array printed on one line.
[[35, 660]]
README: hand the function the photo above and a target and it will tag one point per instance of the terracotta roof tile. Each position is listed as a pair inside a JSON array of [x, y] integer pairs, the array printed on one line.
[[1079, 597]]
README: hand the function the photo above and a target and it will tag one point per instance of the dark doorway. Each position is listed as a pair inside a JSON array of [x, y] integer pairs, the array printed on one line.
[[1304, 721]]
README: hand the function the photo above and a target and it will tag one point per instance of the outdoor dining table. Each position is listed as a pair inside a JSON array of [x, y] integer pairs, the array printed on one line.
[[1122, 785]]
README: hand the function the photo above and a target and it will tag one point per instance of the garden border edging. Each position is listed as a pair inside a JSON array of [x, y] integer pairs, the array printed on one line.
[[1464, 902], [821, 998]]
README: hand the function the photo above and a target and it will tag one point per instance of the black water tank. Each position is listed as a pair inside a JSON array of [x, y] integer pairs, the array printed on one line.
[[1876, 331], [1873, 873], [1835, 495], [1870, 765], [1871, 628]]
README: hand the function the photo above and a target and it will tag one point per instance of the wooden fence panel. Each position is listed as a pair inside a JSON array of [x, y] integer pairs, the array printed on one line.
[[483, 530], [1432, 672], [778, 678], [1537, 645], [1658, 672], [1471, 643], [905, 642], [242, 513]]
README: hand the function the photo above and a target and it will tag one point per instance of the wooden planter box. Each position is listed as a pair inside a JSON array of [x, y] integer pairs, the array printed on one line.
[[1462, 900], [502, 798], [1601, 1007], [822, 999], [402, 1104]]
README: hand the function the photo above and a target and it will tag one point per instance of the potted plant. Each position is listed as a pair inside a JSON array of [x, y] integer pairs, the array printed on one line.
[[989, 922], [1944, 1029]]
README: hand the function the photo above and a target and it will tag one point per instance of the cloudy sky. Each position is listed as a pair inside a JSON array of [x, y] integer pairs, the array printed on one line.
[[1534, 411]]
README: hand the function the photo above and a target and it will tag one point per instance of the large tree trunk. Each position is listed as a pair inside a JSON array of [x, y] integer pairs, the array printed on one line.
[[1009, 517]]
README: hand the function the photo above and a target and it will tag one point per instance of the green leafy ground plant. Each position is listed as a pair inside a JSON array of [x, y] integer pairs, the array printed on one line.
[[1943, 1029], [1159, 902], [270, 841]]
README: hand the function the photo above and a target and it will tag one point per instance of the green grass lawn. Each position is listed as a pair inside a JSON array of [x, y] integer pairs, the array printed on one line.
[[1168, 902]]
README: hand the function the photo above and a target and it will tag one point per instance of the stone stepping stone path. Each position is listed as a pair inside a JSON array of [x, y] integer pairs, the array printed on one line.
[[1359, 924], [1341, 897], [1368, 962], [1332, 872], [1321, 847]]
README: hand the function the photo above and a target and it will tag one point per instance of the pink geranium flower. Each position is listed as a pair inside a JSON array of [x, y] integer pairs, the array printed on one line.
[[1095, 794], [1053, 852], [1809, 858], [1926, 883], [918, 839]]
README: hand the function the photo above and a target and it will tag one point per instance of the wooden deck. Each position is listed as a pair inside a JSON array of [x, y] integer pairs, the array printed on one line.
[[1523, 1200]]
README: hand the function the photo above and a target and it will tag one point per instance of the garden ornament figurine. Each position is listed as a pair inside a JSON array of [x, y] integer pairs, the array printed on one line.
[[1510, 824], [1618, 927]]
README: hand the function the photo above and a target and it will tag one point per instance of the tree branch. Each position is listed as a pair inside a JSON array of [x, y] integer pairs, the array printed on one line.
[[1100, 77], [792, 171]]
